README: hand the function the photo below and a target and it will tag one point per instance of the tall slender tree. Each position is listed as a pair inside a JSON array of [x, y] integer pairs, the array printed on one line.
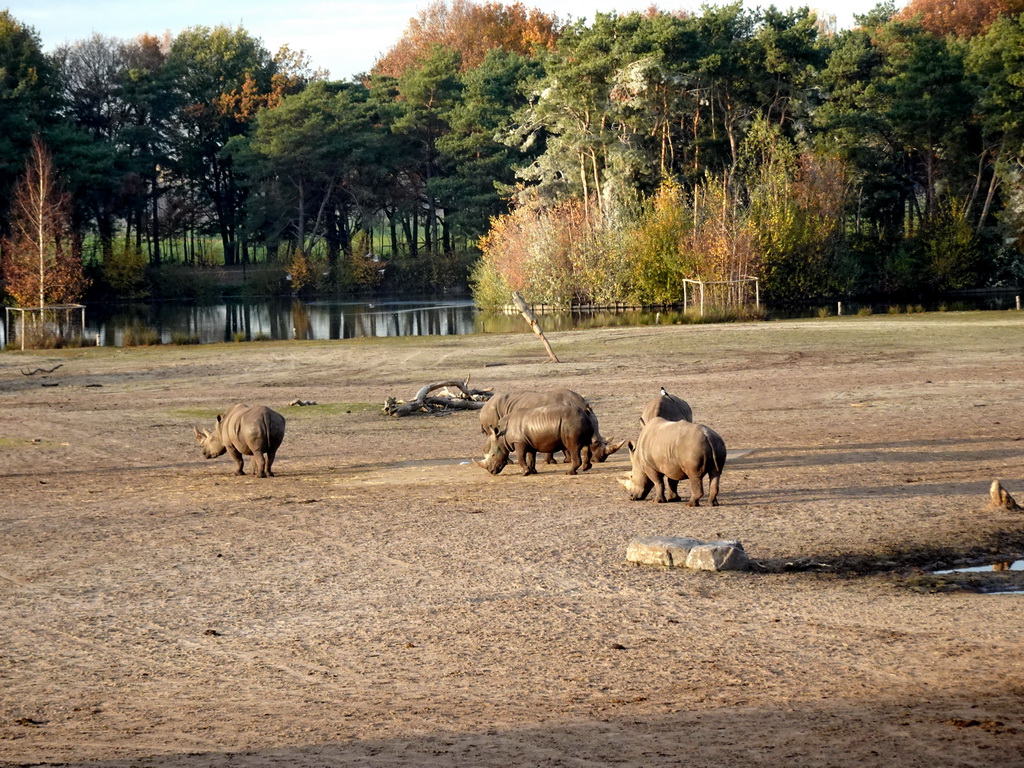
[[39, 264]]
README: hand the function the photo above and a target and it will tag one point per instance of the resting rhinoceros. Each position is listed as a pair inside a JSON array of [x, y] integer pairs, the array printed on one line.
[[668, 407], [669, 451], [502, 405], [530, 431], [246, 430]]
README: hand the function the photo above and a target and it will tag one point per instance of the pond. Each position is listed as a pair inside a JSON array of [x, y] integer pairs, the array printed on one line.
[[276, 319]]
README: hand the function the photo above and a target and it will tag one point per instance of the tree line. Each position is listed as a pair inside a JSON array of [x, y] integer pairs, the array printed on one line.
[[571, 161]]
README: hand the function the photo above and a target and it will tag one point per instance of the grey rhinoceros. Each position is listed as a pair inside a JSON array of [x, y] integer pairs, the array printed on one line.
[[668, 407], [500, 406], [545, 429], [669, 451], [245, 430]]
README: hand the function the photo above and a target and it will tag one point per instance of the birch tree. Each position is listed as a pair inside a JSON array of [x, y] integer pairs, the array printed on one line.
[[40, 264]]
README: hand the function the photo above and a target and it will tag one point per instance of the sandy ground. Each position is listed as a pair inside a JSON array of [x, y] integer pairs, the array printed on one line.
[[381, 602]]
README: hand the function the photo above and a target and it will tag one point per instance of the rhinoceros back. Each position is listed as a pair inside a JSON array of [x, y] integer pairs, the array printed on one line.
[[678, 448], [252, 429], [500, 406], [549, 427], [668, 407]]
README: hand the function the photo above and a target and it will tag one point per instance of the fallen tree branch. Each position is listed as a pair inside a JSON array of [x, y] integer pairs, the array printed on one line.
[[41, 370], [467, 399]]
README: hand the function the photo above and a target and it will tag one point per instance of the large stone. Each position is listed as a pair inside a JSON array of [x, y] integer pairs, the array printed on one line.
[[685, 552], [661, 550], [718, 556]]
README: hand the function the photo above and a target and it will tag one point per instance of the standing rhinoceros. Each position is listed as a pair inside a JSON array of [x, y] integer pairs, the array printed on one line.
[[668, 407], [246, 430], [669, 451], [500, 406], [530, 431]]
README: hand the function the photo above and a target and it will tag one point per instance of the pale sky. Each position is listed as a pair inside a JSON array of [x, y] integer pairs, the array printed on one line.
[[345, 37]]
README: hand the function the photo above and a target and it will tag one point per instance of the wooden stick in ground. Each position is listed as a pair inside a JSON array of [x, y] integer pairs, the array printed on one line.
[[532, 320]]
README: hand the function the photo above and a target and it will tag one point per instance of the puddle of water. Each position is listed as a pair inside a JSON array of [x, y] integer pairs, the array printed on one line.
[[999, 567], [1015, 565]]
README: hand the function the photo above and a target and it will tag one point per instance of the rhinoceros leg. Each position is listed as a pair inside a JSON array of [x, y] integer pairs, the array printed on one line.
[[575, 460], [658, 481], [696, 490], [551, 459], [586, 454], [713, 490], [270, 462], [527, 458], [673, 489], [259, 464], [238, 460]]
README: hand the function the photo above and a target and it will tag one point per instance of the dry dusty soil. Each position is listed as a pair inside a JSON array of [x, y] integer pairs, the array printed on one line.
[[382, 602]]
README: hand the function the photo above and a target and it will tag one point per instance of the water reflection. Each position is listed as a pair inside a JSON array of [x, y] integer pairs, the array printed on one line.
[[289, 319], [241, 320], [294, 319], [1004, 565]]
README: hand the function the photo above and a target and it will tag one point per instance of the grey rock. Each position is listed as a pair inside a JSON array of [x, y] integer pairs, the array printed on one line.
[[685, 552], [718, 556], [661, 550]]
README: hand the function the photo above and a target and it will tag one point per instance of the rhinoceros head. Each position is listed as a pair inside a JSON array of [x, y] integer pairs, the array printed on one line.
[[636, 482], [495, 452], [210, 442], [602, 449]]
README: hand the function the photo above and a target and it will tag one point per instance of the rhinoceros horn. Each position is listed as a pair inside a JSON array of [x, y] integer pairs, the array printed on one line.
[[479, 463], [611, 447]]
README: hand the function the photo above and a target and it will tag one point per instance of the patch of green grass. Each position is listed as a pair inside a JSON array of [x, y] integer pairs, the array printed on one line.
[[328, 409], [203, 414], [180, 338], [19, 442]]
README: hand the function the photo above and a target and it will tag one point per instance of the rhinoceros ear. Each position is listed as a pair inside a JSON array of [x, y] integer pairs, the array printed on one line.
[[631, 446], [219, 415], [199, 435]]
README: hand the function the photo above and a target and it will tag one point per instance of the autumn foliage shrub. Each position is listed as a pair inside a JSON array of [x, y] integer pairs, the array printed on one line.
[[560, 255], [780, 220]]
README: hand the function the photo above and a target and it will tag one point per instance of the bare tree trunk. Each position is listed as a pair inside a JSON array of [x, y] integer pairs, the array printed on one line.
[[532, 320]]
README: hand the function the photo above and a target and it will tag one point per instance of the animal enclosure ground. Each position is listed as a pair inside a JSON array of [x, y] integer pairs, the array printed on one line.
[[382, 602]]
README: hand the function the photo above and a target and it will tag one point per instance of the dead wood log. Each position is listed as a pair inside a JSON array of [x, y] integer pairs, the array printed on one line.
[[467, 399], [1000, 498], [531, 318], [41, 370]]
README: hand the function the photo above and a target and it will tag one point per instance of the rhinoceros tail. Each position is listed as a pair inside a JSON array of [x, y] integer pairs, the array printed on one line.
[[711, 449]]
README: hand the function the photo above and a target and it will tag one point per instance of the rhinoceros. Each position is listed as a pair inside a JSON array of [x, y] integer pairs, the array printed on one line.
[[669, 451], [246, 430], [668, 407], [502, 405], [529, 431]]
